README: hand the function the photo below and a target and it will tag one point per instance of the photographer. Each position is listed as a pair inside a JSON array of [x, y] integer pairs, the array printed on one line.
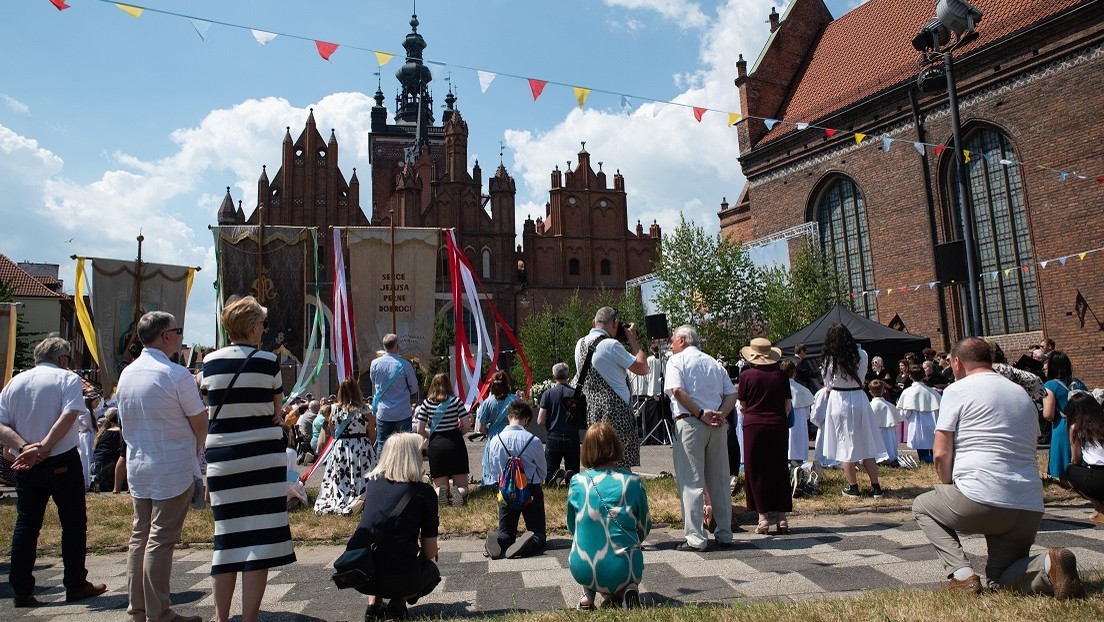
[[607, 390]]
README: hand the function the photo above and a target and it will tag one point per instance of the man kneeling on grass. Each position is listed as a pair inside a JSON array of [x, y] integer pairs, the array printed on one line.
[[985, 459], [516, 441]]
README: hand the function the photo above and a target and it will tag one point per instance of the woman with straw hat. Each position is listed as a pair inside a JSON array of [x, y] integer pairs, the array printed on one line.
[[764, 395]]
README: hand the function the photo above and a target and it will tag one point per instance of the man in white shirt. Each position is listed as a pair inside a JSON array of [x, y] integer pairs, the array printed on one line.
[[37, 411], [164, 422], [701, 395], [985, 459]]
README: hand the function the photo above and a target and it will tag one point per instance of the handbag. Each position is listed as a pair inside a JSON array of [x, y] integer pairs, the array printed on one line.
[[355, 567], [575, 405]]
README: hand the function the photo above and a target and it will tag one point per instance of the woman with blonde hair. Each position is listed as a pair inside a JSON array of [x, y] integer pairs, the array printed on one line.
[[246, 461], [400, 520], [608, 518], [492, 417], [354, 452], [443, 421]]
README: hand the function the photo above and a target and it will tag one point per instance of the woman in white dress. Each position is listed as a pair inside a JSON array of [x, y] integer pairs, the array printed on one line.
[[354, 453], [843, 413]]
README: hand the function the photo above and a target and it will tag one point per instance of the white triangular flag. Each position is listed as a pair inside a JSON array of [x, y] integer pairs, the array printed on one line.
[[201, 27], [485, 79], [886, 142], [657, 107], [801, 126], [919, 147], [262, 37]]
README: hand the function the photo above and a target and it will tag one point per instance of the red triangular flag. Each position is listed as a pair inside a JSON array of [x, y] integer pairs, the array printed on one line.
[[325, 49], [939, 149], [829, 132], [698, 113], [1100, 180], [60, 4], [537, 87]]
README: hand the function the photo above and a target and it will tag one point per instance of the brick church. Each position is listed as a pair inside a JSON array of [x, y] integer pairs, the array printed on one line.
[[420, 177], [1031, 87]]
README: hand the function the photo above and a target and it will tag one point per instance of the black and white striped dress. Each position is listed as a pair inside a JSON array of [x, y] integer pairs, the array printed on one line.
[[246, 462]]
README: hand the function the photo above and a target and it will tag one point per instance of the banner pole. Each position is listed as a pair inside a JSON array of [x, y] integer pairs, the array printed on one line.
[[394, 323]]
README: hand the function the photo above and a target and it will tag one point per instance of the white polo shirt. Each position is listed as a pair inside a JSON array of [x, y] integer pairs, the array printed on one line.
[[34, 400], [611, 360], [700, 376], [156, 398]]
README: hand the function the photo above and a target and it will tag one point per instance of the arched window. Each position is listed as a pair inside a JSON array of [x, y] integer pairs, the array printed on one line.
[[844, 240], [486, 263], [604, 267], [573, 267], [1009, 296]]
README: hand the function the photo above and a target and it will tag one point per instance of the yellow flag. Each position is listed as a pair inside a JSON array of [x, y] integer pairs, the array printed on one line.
[[581, 95], [8, 364], [382, 58], [733, 117], [889, 291], [188, 287], [1007, 271], [132, 11], [967, 154], [859, 138], [1081, 256], [83, 318]]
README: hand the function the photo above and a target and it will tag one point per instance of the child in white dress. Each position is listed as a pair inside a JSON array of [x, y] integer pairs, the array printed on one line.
[[919, 405], [801, 401], [887, 417]]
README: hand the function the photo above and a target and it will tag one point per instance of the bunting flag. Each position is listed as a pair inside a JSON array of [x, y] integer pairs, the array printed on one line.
[[201, 27], [60, 4], [382, 58], [343, 334], [699, 113], [581, 94], [325, 50], [1062, 260], [770, 123], [626, 106], [262, 37], [966, 156], [1006, 162], [733, 118], [1063, 176], [886, 142], [1081, 256], [1043, 264], [919, 148], [939, 149], [485, 79], [859, 138], [829, 132], [536, 87], [657, 108], [132, 11], [801, 126]]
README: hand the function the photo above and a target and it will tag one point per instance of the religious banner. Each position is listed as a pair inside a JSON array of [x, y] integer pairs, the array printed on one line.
[[275, 271], [8, 320], [120, 296], [405, 297]]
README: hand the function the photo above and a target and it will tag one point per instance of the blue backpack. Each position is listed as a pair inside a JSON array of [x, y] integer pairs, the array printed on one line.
[[513, 486]]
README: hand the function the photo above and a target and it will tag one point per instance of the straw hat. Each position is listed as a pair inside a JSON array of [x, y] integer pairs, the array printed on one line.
[[760, 352]]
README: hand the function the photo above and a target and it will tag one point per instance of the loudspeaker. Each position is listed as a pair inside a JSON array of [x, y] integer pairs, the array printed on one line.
[[950, 262], [657, 326]]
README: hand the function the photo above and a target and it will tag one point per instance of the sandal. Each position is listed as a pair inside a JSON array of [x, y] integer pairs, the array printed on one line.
[[585, 605], [783, 527], [762, 528]]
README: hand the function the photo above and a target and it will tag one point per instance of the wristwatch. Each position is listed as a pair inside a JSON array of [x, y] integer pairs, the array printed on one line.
[[22, 447], [701, 412]]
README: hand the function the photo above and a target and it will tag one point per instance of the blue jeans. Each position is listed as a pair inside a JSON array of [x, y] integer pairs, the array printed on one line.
[[387, 428], [562, 446], [59, 478]]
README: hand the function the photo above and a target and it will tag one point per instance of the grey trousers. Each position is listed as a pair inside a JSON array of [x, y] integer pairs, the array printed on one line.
[[945, 512], [701, 464]]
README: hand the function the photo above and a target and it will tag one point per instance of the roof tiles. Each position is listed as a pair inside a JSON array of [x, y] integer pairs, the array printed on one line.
[[24, 284]]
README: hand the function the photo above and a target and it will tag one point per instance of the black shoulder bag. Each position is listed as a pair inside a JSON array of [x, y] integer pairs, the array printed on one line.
[[355, 567], [226, 391], [575, 405]]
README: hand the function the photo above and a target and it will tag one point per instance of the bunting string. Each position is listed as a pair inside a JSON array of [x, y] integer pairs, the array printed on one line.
[[326, 49]]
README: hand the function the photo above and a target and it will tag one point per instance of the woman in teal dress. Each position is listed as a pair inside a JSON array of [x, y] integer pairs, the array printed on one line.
[[492, 419], [607, 516], [1059, 373]]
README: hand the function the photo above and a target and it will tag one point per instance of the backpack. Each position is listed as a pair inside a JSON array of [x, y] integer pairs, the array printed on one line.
[[513, 486]]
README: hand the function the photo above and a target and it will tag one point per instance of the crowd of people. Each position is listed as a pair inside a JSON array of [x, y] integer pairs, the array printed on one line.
[[225, 436]]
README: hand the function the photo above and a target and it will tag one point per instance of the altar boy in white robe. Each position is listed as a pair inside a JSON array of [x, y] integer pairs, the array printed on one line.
[[919, 405], [801, 402], [887, 417]]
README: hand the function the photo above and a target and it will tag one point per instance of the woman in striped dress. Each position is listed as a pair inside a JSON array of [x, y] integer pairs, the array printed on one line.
[[443, 421], [246, 462]]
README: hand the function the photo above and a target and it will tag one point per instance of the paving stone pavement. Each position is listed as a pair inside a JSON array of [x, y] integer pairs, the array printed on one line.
[[824, 556]]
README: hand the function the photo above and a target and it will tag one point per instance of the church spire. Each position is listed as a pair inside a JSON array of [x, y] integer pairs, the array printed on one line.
[[415, 78]]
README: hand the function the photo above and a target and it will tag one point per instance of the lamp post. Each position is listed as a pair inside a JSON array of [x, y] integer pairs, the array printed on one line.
[[959, 18]]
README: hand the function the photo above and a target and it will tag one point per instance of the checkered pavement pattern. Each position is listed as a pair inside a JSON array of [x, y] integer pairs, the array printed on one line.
[[822, 557]]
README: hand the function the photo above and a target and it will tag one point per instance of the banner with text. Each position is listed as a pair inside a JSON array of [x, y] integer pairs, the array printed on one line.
[[377, 295]]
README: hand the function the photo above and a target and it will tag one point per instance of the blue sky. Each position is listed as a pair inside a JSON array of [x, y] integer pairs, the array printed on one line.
[[111, 124]]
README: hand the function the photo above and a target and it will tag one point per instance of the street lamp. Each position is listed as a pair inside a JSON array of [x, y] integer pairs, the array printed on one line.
[[954, 25]]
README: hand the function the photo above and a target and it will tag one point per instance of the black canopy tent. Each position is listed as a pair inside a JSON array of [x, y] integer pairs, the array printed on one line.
[[876, 339]]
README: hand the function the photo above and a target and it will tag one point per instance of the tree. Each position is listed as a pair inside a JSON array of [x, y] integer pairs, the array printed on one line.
[[796, 296], [24, 349], [711, 283]]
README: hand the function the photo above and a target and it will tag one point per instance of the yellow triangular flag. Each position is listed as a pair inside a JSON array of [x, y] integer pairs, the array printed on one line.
[[1007, 271], [859, 138], [132, 11], [581, 95], [1081, 256], [733, 118], [967, 154], [382, 58], [889, 291]]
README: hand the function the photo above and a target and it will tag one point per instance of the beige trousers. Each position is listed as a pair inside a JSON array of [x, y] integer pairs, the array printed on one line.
[[157, 526], [701, 464]]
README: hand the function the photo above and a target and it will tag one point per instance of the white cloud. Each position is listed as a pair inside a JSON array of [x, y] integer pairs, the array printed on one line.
[[15, 104], [670, 161], [685, 14]]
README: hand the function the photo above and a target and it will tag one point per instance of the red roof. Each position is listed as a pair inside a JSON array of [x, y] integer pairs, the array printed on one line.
[[25, 285], [870, 49]]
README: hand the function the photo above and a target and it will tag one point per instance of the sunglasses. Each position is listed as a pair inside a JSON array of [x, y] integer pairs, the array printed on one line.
[[178, 330]]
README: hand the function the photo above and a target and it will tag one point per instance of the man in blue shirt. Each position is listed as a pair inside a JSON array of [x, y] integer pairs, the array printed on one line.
[[516, 440], [394, 388]]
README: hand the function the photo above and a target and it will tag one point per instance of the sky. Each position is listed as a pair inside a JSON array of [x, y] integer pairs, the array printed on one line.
[[112, 125]]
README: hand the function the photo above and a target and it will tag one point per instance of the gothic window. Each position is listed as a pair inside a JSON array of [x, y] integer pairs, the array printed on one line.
[[604, 267], [573, 266], [1009, 296], [486, 263], [844, 240]]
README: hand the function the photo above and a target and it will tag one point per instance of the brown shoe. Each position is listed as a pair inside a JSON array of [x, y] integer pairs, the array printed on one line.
[[969, 585], [88, 591], [1063, 574]]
